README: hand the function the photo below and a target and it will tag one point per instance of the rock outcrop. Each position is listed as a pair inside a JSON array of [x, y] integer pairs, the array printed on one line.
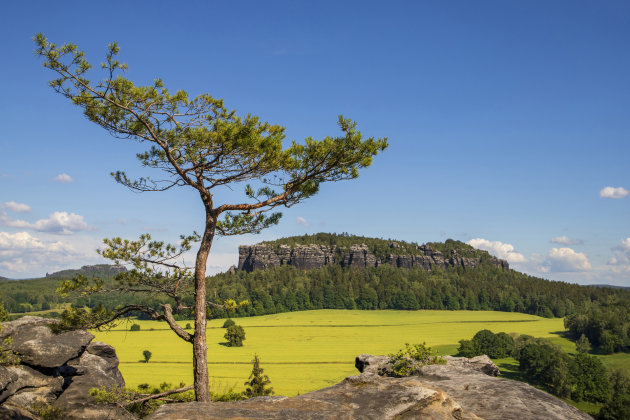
[[461, 389], [57, 370], [261, 256], [356, 397]]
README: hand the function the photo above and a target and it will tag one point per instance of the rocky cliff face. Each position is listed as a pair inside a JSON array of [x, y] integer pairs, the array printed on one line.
[[57, 370], [261, 256]]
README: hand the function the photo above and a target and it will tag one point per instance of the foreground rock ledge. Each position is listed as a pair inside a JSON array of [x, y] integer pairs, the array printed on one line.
[[462, 389], [365, 396], [57, 370]]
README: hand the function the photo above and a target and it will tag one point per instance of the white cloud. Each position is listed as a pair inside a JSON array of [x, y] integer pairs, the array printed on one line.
[[302, 221], [565, 240], [498, 249], [21, 252], [60, 222], [64, 178], [612, 192], [17, 207], [565, 260], [621, 254], [19, 240]]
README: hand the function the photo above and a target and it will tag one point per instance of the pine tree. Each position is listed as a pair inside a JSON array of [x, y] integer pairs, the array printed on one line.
[[257, 384]]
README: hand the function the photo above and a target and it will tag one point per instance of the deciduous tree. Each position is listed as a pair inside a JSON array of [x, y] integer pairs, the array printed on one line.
[[200, 144]]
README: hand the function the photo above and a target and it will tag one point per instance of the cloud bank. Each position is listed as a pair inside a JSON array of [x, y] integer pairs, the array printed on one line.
[[59, 222], [614, 193], [562, 260]]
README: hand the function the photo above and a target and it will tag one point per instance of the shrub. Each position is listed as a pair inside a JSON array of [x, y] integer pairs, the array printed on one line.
[[405, 362], [228, 323], [134, 327], [188, 327], [235, 335], [496, 346]]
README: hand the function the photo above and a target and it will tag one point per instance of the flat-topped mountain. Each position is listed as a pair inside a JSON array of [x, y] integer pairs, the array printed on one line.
[[316, 251]]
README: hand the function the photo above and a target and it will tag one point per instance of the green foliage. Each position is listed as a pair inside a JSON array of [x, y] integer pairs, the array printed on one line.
[[406, 361], [469, 348], [258, 382], [228, 323], [486, 287], [591, 379], [618, 405], [496, 346], [582, 345], [134, 327], [188, 326], [546, 365], [49, 412], [235, 335], [147, 355], [618, 408], [581, 378], [606, 326]]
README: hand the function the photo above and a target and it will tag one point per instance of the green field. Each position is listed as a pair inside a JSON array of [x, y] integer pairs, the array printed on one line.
[[304, 351]]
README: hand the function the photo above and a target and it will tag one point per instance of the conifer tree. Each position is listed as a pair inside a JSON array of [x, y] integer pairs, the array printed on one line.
[[258, 381], [199, 144]]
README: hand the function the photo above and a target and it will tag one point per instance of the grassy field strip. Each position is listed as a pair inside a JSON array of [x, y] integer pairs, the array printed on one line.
[[304, 351]]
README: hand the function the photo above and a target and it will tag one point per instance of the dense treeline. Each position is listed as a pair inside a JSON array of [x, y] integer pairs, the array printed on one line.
[[286, 288], [487, 287], [606, 327]]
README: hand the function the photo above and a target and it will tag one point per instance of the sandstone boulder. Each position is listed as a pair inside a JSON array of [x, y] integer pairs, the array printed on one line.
[[57, 370], [37, 346]]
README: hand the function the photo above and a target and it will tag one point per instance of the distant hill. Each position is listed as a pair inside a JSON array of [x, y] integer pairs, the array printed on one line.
[[329, 271], [98, 270], [611, 286], [4, 278]]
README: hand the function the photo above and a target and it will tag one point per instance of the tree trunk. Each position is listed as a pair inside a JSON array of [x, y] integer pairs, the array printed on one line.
[[200, 347]]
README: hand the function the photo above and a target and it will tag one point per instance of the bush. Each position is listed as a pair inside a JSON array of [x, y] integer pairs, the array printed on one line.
[[135, 327], [228, 323], [496, 346], [405, 362], [188, 327], [235, 335]]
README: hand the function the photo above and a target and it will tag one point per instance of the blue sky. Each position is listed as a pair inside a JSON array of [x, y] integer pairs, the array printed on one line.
[[508, 124]]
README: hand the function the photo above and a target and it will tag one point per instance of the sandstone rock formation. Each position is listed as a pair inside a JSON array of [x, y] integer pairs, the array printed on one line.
[[57, 370], [461, 389], [261, 256], [356, 397]]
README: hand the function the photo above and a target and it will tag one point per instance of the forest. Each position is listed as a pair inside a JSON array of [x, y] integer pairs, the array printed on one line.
[[601, 314]]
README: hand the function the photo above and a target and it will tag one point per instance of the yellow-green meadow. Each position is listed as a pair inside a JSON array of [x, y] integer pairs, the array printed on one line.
[[304, 351]]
